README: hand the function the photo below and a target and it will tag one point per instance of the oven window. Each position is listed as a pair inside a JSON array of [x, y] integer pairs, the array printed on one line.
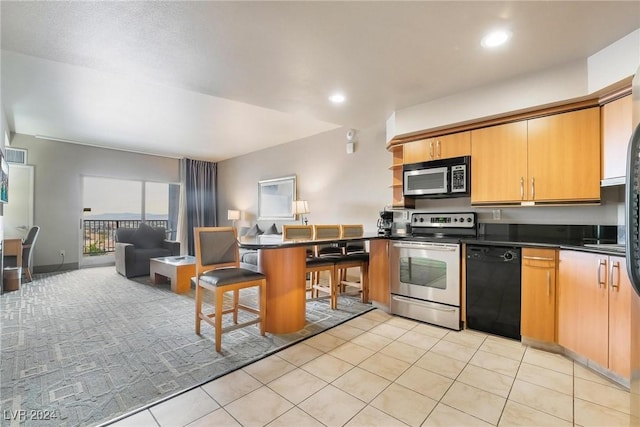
[[425, 272]]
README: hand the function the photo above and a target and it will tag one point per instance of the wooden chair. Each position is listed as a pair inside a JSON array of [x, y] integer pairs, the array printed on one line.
[[352, 230], [315, 265], [326, 231], [354, 256], [217, 269]]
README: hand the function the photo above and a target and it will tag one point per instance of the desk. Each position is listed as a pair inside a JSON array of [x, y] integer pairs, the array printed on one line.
[[13, 247], [284, 262]]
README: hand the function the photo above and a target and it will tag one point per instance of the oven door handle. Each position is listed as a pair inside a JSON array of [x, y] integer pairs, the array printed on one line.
[[421, 303], [426, 246]]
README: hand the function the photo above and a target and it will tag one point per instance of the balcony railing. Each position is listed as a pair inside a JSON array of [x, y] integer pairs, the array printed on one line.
[[99, 235]]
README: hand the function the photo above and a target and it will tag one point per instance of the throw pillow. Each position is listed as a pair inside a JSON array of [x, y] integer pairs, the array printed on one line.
[[254, 231], [147, 237], [272, 230]]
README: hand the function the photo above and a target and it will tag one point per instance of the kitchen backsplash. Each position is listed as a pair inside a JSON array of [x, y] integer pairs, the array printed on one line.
[[549, 233]]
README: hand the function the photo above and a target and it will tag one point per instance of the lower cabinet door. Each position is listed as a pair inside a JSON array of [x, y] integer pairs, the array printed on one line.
[[583, 306], [539, 294], [379, 271], [619, 317]]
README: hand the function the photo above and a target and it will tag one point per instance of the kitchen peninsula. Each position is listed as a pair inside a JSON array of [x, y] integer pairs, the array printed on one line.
[[284, 264]]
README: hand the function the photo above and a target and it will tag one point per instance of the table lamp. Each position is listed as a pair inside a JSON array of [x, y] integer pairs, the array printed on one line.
[[233, 215], [301, 207]]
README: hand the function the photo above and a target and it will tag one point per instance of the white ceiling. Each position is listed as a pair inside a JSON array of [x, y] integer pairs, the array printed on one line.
[[214, 80]]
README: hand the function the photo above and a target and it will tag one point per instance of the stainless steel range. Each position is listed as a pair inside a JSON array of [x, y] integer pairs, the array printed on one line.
[[425, 268]]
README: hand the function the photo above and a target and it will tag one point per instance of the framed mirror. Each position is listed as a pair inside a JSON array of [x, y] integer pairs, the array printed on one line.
[[275, 198]]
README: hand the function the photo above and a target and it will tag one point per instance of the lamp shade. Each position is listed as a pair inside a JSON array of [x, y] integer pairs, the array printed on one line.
[[233, 214], [300, 207]]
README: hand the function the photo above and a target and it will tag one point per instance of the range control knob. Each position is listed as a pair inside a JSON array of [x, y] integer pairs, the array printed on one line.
[[469, 219], [421, 219], [461, 219]]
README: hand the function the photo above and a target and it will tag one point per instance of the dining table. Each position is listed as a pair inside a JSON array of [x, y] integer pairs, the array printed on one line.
[[284, 262]]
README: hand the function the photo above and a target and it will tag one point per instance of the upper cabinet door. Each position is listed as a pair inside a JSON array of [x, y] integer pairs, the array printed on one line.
[[564, 156], [419, 151], [441, 147], [454, 145], [499, 163], [616, 132]]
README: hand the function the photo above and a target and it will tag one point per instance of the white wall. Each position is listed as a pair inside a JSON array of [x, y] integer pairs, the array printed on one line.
[[340, 187], [58, 168]]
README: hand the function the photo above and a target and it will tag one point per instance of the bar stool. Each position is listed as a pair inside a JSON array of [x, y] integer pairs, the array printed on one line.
[[315, 265], [354, 256], [217, 269]]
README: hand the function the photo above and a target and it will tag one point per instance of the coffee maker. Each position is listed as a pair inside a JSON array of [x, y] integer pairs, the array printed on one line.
[[385, 223]]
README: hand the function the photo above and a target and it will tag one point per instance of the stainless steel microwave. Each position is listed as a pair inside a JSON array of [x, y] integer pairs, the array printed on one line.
[[437, 178]]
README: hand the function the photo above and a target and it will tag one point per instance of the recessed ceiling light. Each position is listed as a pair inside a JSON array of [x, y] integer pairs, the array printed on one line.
[[337, 98], [495, 38]]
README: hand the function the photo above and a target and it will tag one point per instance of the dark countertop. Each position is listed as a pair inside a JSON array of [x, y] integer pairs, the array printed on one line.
[[499, 242], [275, 241]]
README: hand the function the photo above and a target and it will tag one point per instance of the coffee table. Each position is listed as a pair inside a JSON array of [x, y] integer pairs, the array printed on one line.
[[178, 269]]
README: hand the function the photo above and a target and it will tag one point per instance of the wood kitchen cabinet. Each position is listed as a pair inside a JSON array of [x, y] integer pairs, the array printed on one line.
[[441, 147], [379, 290], [616, 117], [499, 163], [564, 156], [594, 300], [548, 159], [619, 317], [539, 268]]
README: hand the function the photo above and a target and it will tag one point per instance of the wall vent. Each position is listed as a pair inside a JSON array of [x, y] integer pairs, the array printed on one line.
[[16, 155]]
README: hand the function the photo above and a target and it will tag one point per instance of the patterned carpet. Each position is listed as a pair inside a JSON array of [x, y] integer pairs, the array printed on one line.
[[82, 347]]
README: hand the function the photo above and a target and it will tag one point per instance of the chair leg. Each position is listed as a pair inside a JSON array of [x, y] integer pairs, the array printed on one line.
[[27, 272], [218, 318], [263, 307], [236, 299], [364, 281], [198, 307], [333, 286]]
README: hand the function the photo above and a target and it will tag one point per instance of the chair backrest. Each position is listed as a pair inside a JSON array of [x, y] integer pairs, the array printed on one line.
[[326, 231], [216, 247], [28, 244], [297, 232], [32, 235], [351, 230]]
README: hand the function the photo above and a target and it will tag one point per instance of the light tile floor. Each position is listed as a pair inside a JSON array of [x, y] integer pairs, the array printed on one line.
[[381, 370]]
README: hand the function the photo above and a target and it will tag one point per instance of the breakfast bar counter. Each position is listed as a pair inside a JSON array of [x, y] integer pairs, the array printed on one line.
[[284, 264]]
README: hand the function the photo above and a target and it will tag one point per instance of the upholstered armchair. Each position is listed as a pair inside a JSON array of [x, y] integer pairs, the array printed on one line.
[[136, 246]]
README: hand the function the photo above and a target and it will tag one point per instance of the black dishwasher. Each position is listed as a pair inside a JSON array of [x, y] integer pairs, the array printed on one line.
[[493, 289]]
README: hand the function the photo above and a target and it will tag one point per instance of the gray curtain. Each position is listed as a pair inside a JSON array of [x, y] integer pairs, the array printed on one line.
[[198, 199]]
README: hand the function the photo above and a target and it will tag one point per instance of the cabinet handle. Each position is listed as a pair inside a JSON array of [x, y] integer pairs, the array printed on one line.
[[438, 146], [521, 188], [431, 150], [533, 188], [615, 284], [601, 262], [538, 258], [548, 283]]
